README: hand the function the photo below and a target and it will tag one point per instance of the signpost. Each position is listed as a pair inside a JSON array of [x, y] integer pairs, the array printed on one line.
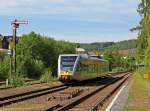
[[15, 25]]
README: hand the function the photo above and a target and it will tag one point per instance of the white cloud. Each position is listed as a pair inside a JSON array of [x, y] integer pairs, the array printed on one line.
[[66, 6], [105, 11], [8, 4]]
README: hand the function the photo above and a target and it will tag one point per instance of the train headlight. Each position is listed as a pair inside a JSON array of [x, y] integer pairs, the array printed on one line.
[[65, 75]]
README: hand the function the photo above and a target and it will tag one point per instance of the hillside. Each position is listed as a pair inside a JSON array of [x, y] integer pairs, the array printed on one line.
[[122, 45], [101, 46]]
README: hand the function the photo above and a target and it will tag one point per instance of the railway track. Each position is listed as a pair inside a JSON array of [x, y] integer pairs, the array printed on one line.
[[11, 99], [86, 96], [27, 81], [95, 98]]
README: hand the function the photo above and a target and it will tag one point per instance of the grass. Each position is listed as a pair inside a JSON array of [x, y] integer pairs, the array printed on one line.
[[139, 95]]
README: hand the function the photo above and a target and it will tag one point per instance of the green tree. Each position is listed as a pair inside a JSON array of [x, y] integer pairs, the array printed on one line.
[[35, 53], [110, 58], [29, 55], [144, 36]]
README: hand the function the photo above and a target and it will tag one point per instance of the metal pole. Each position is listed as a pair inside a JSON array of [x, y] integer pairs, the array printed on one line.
[[15, 25], [14, 46]]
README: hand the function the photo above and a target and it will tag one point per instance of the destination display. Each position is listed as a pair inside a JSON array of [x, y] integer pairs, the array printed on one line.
[[67, 62]]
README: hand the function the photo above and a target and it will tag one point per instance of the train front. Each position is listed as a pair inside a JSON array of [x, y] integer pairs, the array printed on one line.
[[66, 67]]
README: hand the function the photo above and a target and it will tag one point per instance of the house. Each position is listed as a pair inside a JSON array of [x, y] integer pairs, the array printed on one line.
[[4, 41], [128, 52]]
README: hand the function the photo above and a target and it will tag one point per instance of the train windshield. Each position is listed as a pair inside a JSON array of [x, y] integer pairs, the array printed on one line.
[[67, 62]]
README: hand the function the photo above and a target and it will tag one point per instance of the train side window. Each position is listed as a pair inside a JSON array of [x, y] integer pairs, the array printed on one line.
[[90, 68], [95, 68], [99, 68], [102, 68]]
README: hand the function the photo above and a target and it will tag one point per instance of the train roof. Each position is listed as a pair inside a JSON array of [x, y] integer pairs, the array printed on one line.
[[84, 56]]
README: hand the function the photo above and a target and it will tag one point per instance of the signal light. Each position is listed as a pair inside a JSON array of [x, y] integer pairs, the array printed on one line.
[[9, 52]]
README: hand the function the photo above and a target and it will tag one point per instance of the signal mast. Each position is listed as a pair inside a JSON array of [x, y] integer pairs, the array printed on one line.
[[15, 24]]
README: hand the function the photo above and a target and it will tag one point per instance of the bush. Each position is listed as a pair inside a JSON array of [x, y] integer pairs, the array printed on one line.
[[4, 69], [117, 69], [47, 76], [31, 68], [37, 67], [16, 80], [147, 57]]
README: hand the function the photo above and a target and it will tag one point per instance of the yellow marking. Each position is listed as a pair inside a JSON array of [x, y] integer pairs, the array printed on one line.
[[66, 73]]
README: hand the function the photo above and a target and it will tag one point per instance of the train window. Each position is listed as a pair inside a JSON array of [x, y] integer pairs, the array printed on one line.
[[81, 68], [67, 62], [91, 68], [100, 68]]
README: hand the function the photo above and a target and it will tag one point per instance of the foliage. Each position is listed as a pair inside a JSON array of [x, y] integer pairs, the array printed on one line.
[[109, 56], [16, 80], [2, 56], [144, 32], [29, 55], [4, 65], [4, 69], [128, 63], [36, 58], [96, 46], [147, 30], [126, 44], [118, 69], [119, 63], [47, 76], [35, 53]]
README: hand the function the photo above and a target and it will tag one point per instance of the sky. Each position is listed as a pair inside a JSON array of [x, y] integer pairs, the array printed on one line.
[[83, 21]]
